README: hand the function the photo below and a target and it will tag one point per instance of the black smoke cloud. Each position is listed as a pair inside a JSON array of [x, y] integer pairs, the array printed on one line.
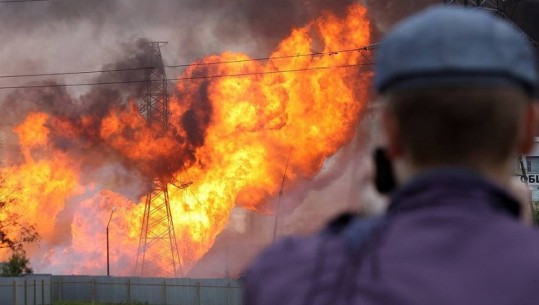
[[75, 123]]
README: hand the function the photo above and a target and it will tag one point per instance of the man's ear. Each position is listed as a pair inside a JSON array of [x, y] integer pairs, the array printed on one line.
[[531, 124], [392, 132]]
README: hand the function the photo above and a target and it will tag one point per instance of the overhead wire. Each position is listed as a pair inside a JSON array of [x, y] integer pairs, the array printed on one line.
[[74, 72], [26, 1], [365, 48], [186, 78], [14, 1]]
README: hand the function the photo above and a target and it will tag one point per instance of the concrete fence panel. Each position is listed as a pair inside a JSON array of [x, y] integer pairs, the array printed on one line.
[[26, 290], [151, 291]]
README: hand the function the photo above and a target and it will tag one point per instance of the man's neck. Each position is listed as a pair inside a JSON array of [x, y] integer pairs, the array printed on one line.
[[500, 175]]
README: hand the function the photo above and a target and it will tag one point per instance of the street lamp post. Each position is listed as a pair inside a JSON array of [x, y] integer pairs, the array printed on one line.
[[108, 267]]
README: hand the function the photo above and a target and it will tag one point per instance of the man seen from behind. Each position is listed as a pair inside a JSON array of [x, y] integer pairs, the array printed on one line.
[[457, 87]]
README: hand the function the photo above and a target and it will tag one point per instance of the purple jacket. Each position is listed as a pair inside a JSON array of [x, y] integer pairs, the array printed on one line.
[[449, 237]]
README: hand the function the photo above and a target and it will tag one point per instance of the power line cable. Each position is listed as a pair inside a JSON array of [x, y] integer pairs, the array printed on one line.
[[14, 1], [365, 48], [26, 1], [186, 78], [74, 73]]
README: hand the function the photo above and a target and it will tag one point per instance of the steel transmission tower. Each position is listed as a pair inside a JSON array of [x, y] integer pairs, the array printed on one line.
[[158, 251], [488, 4], [155, 100], [497, 7]]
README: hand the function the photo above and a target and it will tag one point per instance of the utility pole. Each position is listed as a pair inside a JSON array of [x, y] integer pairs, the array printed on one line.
[[278, 211], [157, 251], [108, 223]]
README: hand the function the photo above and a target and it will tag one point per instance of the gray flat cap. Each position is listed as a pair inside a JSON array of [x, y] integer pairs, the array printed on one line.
[[447, 45]]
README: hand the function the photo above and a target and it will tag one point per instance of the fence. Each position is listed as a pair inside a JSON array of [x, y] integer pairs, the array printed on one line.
[[43, 290], [27, 290]]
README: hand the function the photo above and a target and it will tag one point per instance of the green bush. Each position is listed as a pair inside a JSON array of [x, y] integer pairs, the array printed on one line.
[[17, 264]]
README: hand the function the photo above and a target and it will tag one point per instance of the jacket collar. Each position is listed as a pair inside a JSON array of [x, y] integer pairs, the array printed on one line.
[[451, 181]]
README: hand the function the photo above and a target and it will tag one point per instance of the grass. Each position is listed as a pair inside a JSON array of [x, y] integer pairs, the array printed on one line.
[[75, 303]]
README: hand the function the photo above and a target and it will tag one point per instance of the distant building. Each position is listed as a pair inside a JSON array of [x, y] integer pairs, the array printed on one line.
[[530, 163]]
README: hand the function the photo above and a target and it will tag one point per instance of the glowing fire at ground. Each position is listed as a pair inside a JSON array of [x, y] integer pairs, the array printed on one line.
[[251, 123]]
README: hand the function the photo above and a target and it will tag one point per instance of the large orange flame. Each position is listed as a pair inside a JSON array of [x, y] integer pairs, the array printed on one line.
[[253, 123]]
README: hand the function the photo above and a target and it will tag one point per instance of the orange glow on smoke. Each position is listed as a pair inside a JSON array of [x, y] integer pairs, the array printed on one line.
[[255, 121]]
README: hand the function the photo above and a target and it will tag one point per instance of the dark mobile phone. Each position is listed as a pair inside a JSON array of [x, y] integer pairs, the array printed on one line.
[[384, 178]]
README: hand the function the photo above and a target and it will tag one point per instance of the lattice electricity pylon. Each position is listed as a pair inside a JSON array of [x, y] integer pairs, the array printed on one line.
[[158, 250], [497, 7], [493, 5], [154, 105]]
